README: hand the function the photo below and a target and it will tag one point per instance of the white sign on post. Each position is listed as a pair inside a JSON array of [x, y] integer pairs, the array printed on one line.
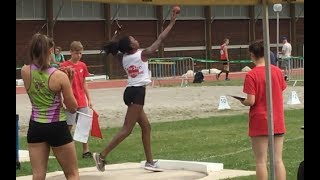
[[223, 103], [83, 127]]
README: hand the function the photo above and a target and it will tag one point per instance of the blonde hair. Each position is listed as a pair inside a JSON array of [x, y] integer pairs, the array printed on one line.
[[76, 46]]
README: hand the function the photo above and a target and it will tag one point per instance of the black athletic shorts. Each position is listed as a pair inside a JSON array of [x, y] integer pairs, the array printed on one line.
[[224, 61], [134, 95], [279, 134], [55, 134]]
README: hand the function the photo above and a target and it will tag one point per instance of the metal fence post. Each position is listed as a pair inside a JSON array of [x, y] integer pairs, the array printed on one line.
[[17, 142]]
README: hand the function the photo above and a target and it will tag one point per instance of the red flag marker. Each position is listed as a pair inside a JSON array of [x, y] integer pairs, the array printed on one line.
[[95, 129]]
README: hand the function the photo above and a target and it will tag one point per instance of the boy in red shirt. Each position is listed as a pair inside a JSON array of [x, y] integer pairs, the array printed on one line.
[[79, 87]]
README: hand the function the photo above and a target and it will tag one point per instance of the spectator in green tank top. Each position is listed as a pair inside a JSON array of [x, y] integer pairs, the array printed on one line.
[[48, 128]]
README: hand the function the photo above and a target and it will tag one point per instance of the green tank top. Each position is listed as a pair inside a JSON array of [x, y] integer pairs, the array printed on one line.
[[46, 104]]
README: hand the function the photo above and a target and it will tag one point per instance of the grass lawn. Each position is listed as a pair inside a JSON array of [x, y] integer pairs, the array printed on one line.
[[215, 139]]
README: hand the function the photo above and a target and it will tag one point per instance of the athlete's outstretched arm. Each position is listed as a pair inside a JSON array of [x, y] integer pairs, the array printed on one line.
[[151, 49]]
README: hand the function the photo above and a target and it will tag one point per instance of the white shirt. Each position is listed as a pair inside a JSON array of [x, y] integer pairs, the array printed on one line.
[[286, 50], [136, 69]]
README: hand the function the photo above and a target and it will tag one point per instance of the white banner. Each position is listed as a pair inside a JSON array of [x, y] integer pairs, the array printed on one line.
[[83, 127]]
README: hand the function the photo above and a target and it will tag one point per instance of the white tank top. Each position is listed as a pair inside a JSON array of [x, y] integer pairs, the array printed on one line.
[[136, 69]]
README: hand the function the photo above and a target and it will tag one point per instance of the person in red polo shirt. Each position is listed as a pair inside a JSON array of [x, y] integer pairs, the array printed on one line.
[[255, 88]]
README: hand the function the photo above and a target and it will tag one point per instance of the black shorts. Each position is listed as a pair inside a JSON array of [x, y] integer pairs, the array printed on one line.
[[55, 134], [224, 62], [279, 134], [134, 95]]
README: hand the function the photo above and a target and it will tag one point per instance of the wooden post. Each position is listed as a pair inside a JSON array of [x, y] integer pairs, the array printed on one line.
[[208, 37], [49, 15], [159, 15], [108, 63], [293, 29], [252, 29], [107, 22]]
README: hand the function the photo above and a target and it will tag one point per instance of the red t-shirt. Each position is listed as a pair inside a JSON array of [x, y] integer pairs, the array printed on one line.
[[223, 53], [80, 73], [255, 84]]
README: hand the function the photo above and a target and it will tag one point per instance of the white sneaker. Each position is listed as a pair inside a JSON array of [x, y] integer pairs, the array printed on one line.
[[100, 163], [152, 167]]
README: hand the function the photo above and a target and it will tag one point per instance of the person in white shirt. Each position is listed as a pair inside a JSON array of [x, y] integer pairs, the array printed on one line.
[[135, 63], [286, 53]]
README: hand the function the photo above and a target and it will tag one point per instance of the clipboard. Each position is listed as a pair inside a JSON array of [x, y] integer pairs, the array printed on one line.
[[238, 97]]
